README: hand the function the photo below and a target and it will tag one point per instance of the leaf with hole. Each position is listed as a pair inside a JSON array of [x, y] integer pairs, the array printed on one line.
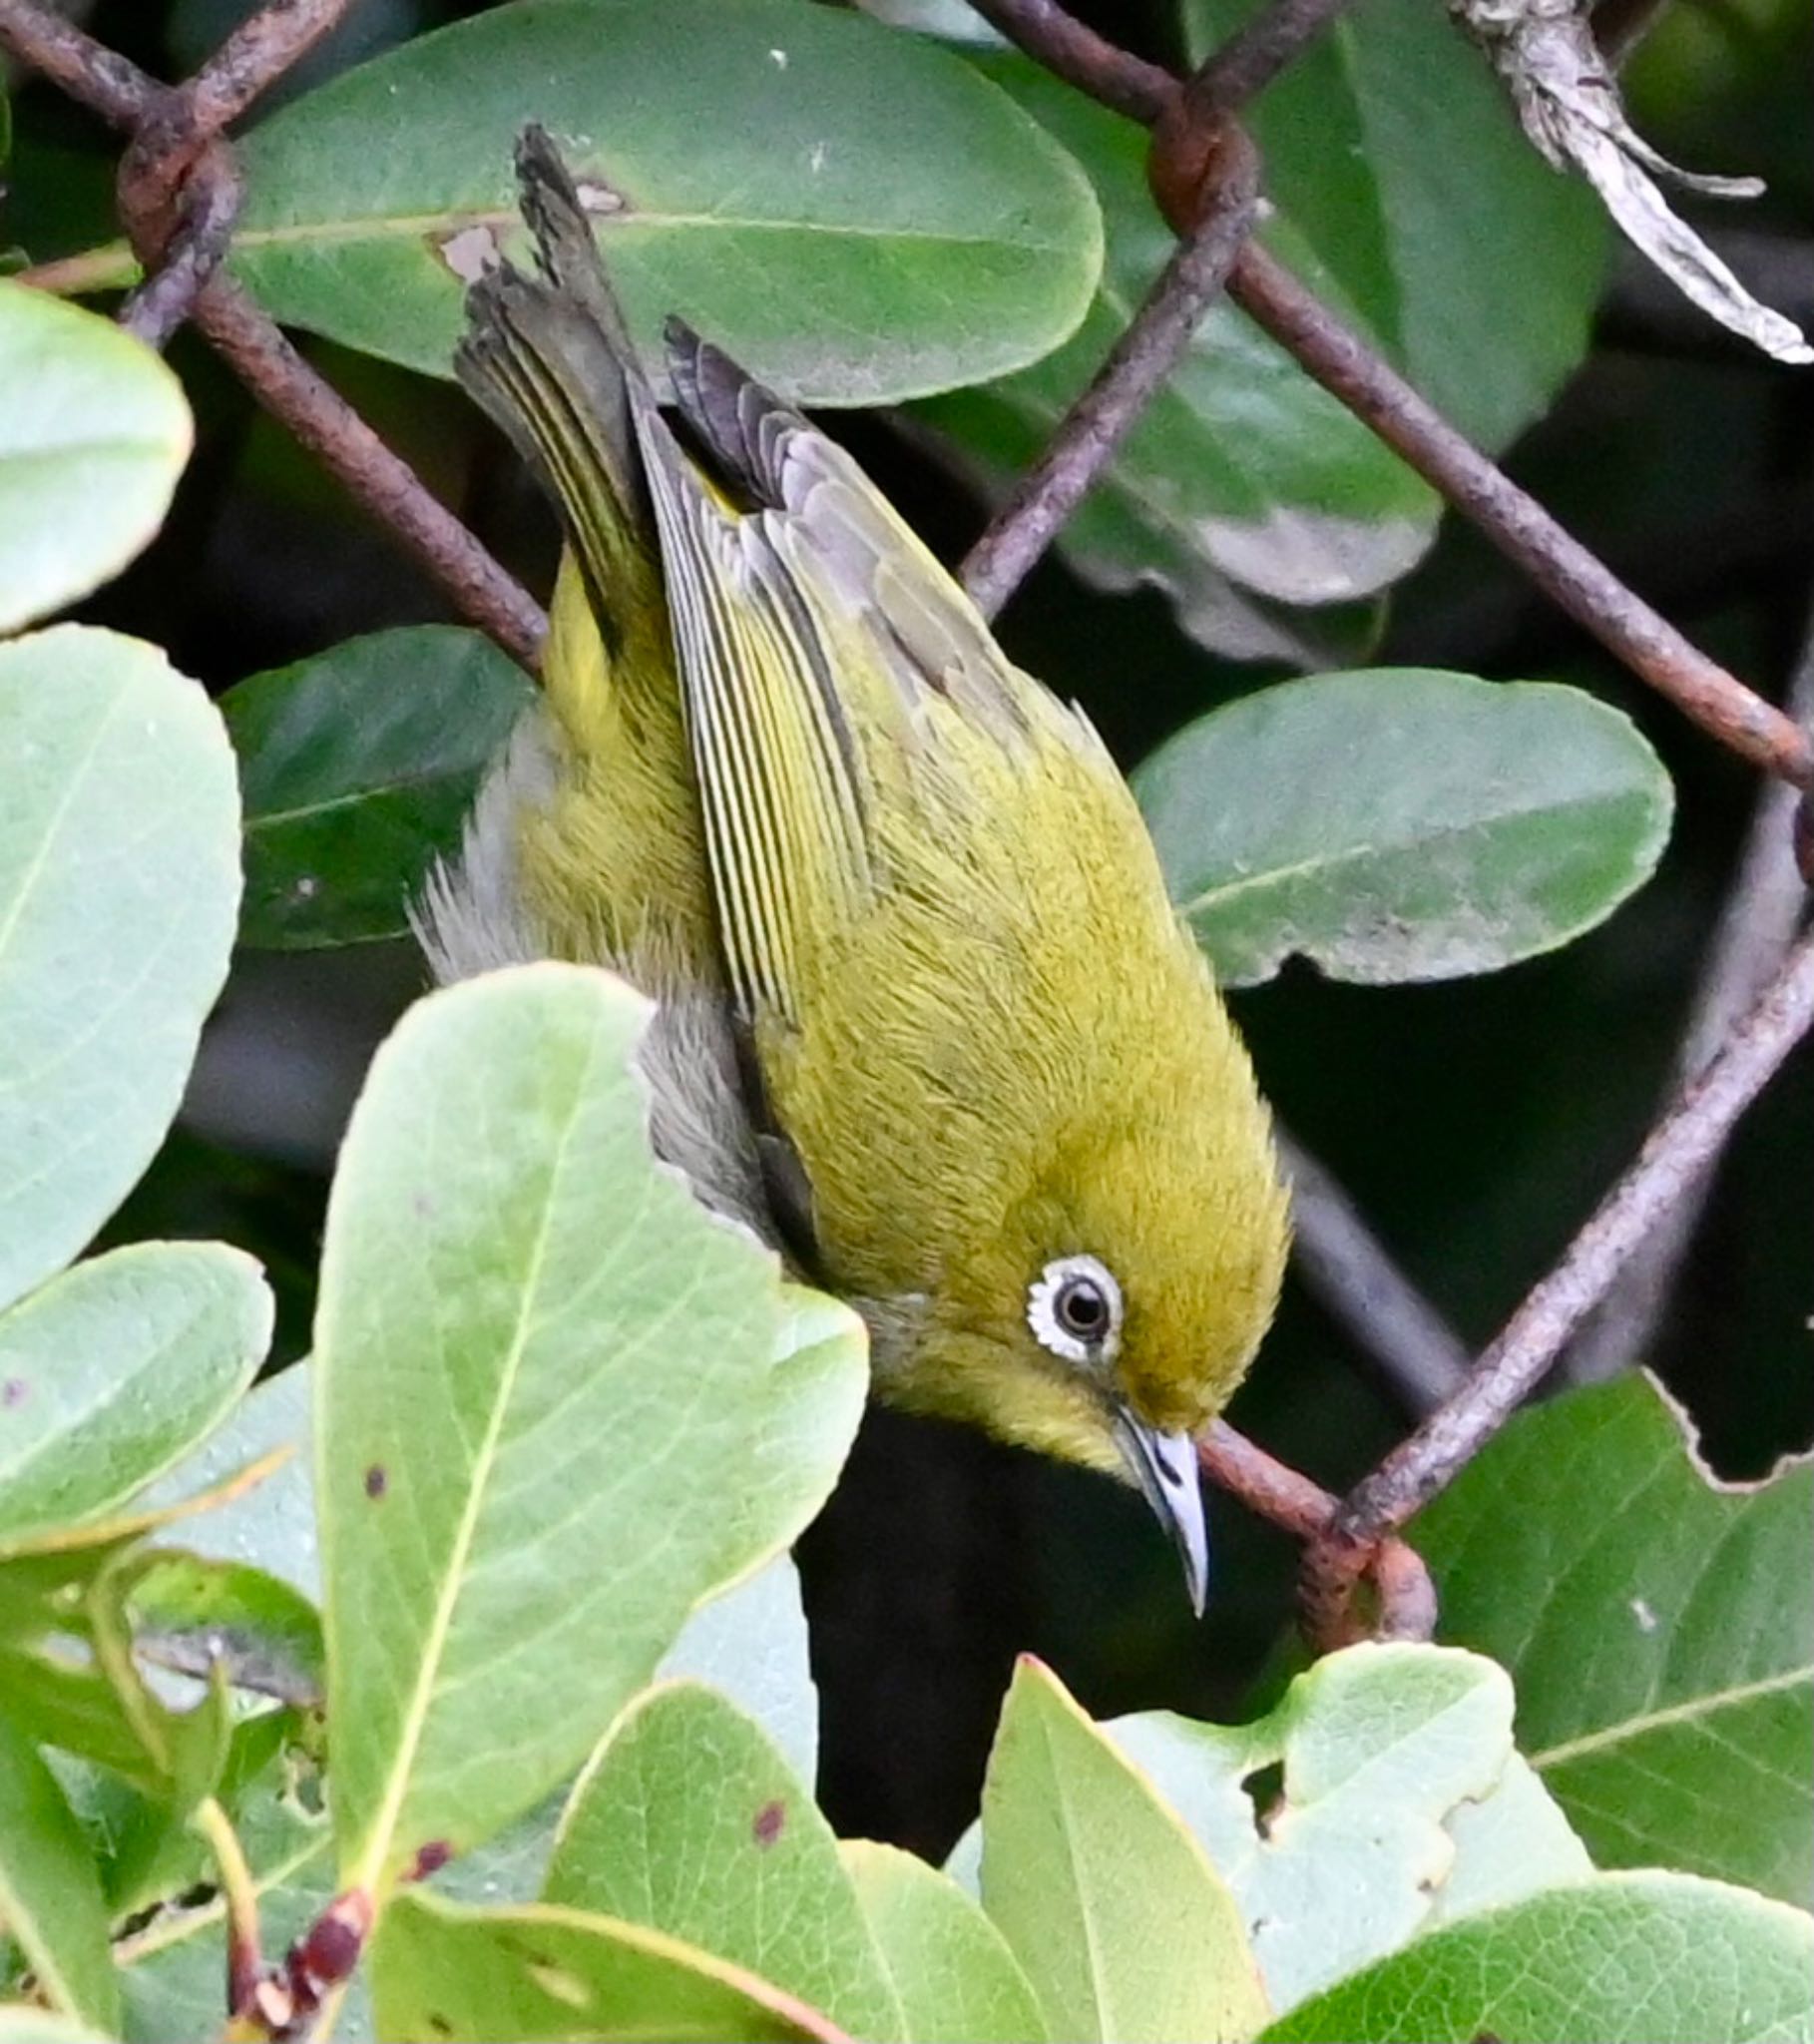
[[1660, 1625], [357, 770], [94, 432], [1402, 823], [118, 890], [853, 214]]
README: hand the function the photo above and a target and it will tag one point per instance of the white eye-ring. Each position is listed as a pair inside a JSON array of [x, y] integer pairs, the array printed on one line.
[[1074, 1307]]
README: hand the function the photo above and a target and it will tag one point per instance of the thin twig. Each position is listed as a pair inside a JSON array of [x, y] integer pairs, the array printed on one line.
[[1248, 60], [330, 429], [1343, 1263], [1140, 359], [1515, 523], [258, 53], [1062, 43], [240, 1895], [1279, 1493], [1678, 1150], [1757, 924]]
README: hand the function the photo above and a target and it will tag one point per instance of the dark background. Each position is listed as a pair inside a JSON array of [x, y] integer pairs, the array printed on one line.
[[1474, 1122]]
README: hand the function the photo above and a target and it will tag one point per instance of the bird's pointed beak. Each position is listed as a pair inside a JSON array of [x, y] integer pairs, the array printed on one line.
[[1165, 1466]]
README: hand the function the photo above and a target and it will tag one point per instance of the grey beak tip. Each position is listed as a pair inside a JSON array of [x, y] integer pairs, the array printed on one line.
[[1165, 1466]]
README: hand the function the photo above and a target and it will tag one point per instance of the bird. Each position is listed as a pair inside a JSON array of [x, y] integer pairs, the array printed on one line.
[[925, 1018]]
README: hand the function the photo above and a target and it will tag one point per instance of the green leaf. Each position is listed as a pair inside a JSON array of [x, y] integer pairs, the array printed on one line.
[[688, 1820], [50, 1894], [1124, 1931], [115, 1369], [538, 1366], [751, 1642], [119, 888], [21, 2023], [445, 1970], [189, 1610], [358, 769], [1659, 1627], [94, 432], [1628, 1958], [952, 1968], [1400, 1803], [1401, 823], [1393, 150], [1245, 485], [853, 214]]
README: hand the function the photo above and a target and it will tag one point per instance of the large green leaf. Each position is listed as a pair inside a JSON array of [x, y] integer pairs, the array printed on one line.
[[50, 1894], [94, 432], [116, 1368], [1402, 823], [1393, 149], [118, 888], [470, 1976], [1244, 484], [539, 1368], [1659, 1627], [952, 1968], [1628, 1958], [357, 768], [1400, 1803], [689, 1822], [1119, 1922], [854, 214]]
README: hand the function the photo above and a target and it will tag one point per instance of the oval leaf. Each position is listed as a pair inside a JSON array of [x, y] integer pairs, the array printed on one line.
[[952, 1968], [94, 432], [688, 1820], [1401, 823], [1628, 1958], [358, 769], [116, 1369], [1660, 1625], [119, 889], [536, 1373], [471, 1976], [853, 214], [1400, 1803], [1244, 483], [1124, 1931]]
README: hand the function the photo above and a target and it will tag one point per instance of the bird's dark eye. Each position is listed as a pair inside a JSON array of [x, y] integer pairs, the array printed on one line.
[[1081, 1308]]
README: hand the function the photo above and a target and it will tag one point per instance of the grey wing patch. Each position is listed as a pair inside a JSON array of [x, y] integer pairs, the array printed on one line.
[[470, 917]]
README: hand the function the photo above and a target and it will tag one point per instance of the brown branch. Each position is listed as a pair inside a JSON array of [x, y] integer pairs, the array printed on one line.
[[1343, 1265], [207, 205], [1278, 1492], [255, 55], [1515, 523], [1059, 41], [1677, 1151], [322, 420], [1085, 439]]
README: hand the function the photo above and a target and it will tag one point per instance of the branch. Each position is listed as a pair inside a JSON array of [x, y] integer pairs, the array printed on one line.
[[1678, 1150], [1517, 523], [1087, 436], [322, 420], [1757, 924], [106, 82], [1254, 56], [1342, 1262], [1115, 76]]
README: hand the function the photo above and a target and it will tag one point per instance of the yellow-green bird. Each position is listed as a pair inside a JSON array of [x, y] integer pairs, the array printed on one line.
[[926, 1019]]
